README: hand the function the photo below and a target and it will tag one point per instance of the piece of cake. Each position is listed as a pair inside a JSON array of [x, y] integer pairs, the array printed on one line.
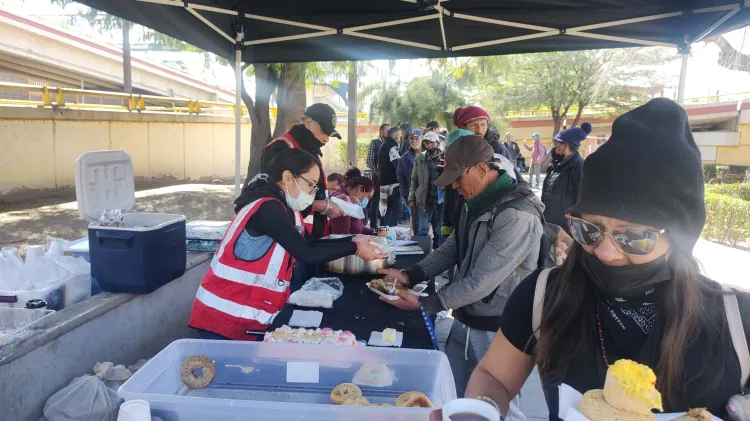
[[389, 335], [629, 395], [631, 387]]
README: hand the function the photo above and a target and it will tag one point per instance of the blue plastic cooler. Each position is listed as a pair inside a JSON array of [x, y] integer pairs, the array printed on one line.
[[148, 251]]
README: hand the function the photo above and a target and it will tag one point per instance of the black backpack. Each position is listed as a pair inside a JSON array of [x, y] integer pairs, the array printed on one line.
[[549, 235]]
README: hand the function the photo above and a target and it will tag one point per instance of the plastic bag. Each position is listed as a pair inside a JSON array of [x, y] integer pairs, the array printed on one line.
[[318, 292], [85, 398]]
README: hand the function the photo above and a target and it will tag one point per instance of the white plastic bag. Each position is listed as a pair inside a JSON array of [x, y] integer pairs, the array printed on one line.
[[85, 398], [318, 292]]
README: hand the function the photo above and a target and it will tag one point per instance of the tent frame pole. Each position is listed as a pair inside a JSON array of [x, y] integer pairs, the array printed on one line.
[[683, 75], [716, 24], [238, 115]]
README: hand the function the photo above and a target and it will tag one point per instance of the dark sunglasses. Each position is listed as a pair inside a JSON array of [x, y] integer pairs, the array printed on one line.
[[629, 240]]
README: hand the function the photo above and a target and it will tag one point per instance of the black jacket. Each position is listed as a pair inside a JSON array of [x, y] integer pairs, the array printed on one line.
[[560, 189], [386, 164]]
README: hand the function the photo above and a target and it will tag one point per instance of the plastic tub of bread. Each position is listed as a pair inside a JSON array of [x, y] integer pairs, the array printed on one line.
[[283, 381]]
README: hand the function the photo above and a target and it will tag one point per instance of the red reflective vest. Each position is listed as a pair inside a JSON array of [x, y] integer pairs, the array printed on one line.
[[238, 295], [292, 143]]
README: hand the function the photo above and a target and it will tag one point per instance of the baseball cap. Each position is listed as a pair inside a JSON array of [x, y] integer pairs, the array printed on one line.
[[325, 116], [416, 132], [433, 125], [432, 137], [470, 151], [536, 135]]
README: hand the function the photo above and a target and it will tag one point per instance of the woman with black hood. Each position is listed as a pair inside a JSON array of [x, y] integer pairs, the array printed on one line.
[[630, 288], [248, 282]]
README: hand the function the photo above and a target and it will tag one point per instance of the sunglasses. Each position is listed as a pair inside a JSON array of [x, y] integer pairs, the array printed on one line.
[[629, 240]]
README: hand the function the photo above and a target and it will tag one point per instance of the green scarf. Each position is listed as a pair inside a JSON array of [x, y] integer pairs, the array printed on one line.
[[479, 204]]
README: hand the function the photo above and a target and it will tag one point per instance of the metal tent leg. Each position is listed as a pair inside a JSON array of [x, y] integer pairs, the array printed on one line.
[[683, 76], [238, 123]]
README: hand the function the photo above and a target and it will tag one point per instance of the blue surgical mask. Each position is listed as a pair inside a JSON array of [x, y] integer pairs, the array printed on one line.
[[363, 203]]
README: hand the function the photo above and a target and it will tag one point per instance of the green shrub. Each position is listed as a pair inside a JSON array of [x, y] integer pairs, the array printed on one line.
[[363, 146], [739, 191], [709, 172], [727, 217]]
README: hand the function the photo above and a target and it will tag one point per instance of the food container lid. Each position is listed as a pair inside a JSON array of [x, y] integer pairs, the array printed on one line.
[[104, 180]]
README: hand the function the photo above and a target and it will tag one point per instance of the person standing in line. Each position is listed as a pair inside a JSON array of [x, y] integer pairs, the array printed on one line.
[[494, 246], [513, 149], [403, 173], [372, 164], [538, 152], [560, 189], [434, 126], [406, 129], [423, 192], [390, 197], [358, 190]]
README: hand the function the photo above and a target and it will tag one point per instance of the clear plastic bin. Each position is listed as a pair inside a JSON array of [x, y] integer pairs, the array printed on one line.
[[18, 324], [251, 382], [57, 295]]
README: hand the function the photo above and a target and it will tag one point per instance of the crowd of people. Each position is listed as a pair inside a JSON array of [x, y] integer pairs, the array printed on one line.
[[599, 269]]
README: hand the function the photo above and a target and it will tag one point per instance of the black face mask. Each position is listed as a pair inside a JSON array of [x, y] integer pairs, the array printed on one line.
[[556, 157], [633, 282]]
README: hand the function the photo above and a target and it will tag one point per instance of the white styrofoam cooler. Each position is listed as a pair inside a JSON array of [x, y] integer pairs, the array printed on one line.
[[149, 251]]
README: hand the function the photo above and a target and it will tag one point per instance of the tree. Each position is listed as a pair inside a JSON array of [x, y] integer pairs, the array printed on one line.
[[560, 81]]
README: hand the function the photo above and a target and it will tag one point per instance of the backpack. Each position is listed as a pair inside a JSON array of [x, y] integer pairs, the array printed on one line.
[[546, 257], [731, 307]]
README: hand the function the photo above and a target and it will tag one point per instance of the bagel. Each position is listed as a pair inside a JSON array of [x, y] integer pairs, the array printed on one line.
[[190, 365], [413, 400], [344, 391]]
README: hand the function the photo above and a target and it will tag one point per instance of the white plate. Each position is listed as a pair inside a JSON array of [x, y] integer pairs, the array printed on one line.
[[376, 339], [387, 297]]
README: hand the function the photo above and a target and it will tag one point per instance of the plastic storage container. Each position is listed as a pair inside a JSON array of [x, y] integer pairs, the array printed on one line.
[[282, 381], [17, 324], [58, 295], [148, 251], [80, 248]]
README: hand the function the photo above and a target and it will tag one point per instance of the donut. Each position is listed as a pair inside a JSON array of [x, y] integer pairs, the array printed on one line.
[[187, 372], [413, 400], [375, 374], [344, 391], [357, 401]]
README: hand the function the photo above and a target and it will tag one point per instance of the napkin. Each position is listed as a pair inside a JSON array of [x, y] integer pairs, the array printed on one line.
[[302, 318]]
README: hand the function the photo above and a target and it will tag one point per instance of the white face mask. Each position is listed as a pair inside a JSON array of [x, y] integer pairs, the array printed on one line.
[[301, 202]]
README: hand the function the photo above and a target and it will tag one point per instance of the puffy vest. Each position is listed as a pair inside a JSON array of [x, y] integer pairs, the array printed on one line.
[[292, 143], [238, 295]]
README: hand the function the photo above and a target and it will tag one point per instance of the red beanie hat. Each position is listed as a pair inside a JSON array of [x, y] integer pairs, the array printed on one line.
[[462, 116]]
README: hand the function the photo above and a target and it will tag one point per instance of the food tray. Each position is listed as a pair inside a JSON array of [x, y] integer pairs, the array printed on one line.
[[252, 379]]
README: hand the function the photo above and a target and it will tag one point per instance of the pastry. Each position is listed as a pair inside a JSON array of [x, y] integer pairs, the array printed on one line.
[[413, 399], [374, 374], [630, 386], [311, 336], [189, 367], [696, 414], [629, 394], [595, 408], [344, 391], [357, 401]]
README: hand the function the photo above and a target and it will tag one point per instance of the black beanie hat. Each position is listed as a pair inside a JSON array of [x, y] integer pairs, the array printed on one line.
[[649, 172]]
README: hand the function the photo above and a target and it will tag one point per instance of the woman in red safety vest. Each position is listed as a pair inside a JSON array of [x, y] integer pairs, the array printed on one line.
[[247, 283]]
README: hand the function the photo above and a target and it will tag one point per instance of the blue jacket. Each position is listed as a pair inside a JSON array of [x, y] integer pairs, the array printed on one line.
[[403, 173]]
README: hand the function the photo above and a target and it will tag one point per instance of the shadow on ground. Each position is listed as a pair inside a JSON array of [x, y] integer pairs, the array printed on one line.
[[20, 228]]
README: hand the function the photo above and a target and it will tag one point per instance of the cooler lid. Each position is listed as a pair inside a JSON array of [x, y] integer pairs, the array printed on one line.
[[104, 180]]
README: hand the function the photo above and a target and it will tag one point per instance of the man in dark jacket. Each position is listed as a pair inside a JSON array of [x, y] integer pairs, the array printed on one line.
[[372, 163], [560, 188], [406, 129], [404, 170], [390, 197], [318, 124]]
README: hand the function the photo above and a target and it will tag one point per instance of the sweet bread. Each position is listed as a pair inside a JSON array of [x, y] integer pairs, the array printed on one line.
[[413, 400], [374, 374], [189, 367], [357, 401], [695, 414], [595, 408], [343, 392]]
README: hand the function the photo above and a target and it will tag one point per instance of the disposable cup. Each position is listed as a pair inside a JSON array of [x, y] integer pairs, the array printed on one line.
[[470, 406], [135, 410], [34, 254]]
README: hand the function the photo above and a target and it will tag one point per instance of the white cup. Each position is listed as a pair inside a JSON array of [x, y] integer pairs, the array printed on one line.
[[34, 255], [135, 410], [470, 406]]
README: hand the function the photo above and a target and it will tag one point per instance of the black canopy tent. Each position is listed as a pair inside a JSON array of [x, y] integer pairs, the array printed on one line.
[[302, 30]]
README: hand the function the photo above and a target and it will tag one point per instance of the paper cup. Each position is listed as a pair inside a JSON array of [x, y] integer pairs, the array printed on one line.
[[470, 406], [34, 255], [135, 410]]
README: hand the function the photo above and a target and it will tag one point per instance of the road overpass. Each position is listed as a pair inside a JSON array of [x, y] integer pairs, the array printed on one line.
[[39, 53]]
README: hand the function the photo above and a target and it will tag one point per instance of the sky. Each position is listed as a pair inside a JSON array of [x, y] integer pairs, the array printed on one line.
[[704, 76]]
